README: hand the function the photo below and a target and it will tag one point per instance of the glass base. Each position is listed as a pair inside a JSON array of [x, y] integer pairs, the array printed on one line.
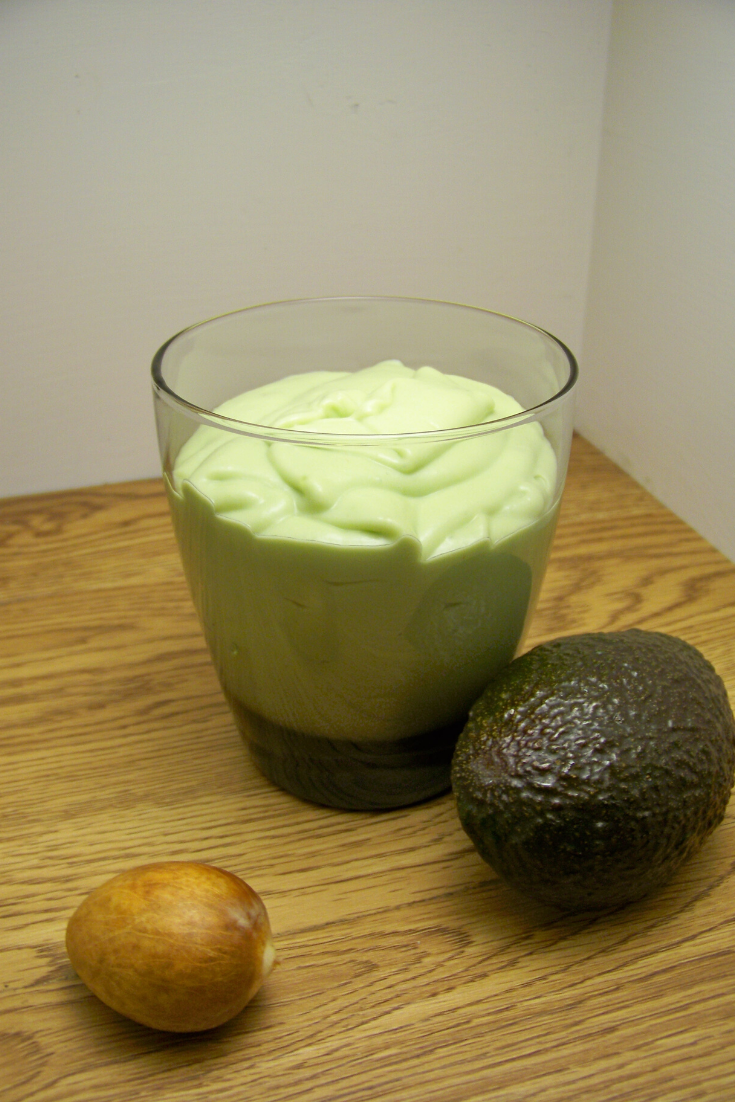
[[354, 776]]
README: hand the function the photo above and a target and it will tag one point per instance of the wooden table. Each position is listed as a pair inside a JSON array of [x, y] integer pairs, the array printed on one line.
[[407, 970]]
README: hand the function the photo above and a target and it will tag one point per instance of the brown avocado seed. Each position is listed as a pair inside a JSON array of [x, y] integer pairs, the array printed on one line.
[[177, 945]]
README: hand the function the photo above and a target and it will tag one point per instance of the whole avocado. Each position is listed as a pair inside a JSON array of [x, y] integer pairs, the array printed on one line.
[[594, 765]]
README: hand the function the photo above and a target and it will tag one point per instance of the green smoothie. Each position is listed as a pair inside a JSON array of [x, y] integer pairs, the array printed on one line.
[[357, 597]]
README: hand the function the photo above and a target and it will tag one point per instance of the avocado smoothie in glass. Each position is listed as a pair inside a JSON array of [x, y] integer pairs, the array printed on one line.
[[364, 535]]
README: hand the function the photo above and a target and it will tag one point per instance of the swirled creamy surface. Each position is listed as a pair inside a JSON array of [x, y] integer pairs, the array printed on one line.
[[364, 591], [445, 495]]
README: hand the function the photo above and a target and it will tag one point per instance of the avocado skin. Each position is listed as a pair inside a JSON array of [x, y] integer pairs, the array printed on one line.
[[593, 766]]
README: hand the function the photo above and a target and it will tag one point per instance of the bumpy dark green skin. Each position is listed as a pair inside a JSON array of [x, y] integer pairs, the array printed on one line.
[[595, 765]]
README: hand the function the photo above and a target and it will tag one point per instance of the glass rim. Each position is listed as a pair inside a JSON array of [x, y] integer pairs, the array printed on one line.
[[324, 439]]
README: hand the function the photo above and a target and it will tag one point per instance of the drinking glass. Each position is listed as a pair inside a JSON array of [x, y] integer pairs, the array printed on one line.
[[351, 656]]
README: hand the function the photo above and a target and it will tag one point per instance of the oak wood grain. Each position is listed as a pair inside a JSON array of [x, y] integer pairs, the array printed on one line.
[[407, 971]]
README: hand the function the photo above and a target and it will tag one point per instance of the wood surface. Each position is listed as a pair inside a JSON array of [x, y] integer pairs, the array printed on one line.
[[407, 971]]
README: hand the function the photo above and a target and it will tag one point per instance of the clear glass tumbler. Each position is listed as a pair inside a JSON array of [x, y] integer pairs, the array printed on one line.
[[362, 566]]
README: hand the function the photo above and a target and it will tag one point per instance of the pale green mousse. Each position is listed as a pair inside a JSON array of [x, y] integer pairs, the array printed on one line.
[[365, 590]]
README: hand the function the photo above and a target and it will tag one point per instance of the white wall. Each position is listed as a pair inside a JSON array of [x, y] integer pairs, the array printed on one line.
[[658, 391], [167, 160]]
